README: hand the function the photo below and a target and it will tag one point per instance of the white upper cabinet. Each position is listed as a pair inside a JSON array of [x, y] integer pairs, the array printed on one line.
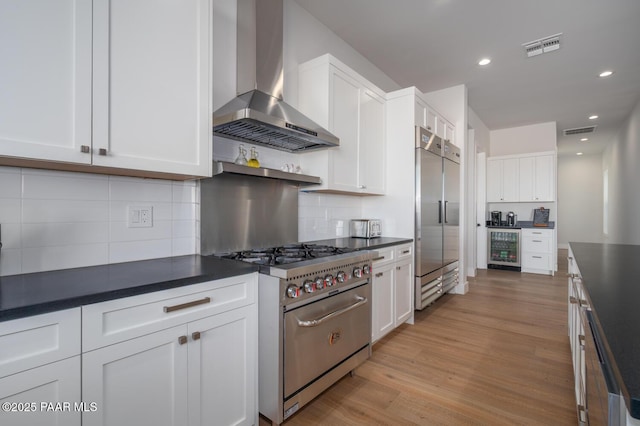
[[537, 178], [353, 109], [502, 180], [521, 178], [45, 79], [121, 86]]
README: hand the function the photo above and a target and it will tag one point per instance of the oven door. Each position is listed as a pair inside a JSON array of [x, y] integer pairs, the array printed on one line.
[[321, 334]]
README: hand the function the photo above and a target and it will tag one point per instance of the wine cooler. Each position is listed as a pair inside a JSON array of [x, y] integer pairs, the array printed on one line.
[[504, 249]]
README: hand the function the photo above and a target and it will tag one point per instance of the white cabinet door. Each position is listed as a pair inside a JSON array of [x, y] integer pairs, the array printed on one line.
[[545, 178], [222, 369], [45, 79], [526, 174], [151, 86], [441, 126], [344, 119], [50, 383], [403, 291], [371, 147], [142, 381], [494, 180], [383, 301], [510, 180], [450, 133]]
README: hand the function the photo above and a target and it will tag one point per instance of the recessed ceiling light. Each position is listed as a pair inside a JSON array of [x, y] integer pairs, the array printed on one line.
[[484, 61], [578, 153], [584, 139], [593, 117], [606, 73]]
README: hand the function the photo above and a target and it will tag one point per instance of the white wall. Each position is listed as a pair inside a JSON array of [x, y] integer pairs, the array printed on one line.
[[621, 159], [481, 132], [54, 220], [523, 140], [580, 199]]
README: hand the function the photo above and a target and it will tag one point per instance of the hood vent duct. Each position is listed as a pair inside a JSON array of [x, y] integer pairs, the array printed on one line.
[[579, 130], [259, 115]]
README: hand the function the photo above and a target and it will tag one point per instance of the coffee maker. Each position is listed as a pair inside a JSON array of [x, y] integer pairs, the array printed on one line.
[[496, 218], [512, 219]]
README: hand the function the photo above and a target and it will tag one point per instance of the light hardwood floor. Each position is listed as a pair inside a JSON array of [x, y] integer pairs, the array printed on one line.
[[498, 355]]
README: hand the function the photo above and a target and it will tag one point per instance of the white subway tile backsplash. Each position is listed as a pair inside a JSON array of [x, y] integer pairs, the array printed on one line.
[[184, 246], [37, 259], [160, 230], [139, 190], [10, 261], [11, 236], [118, 210], [63, 186], [138, 250], [10, 184], [58, 234], [10, 210], [55, 220], [50, 211]]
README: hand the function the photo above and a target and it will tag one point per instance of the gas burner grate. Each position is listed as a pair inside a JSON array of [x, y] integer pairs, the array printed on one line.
[[286, 254]]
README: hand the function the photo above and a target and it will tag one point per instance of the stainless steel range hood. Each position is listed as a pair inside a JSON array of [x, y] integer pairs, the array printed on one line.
[[259, 115]]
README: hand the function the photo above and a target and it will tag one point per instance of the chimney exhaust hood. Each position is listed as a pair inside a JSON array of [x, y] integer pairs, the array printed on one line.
[[258, 114]]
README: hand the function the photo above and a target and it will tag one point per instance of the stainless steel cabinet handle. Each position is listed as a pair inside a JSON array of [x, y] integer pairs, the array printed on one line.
[[362, 186], [85, 149], [187, 305], [377, 258], [406, 251], [195, 335], [379, 274], [316, 322], [537, 257], [182, 340], [537, 241], [573, 300], [398, 268], [102, 151]]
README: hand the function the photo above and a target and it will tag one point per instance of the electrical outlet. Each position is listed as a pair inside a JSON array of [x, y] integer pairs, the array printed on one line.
[[139, 216]]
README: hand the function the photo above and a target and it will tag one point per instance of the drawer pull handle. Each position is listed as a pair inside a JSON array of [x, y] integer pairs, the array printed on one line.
[[187, 305], [398, 268], [406, 251], [537, 257], [316, 322], [573, 300], [195, 335], [182, 340], [537, 241], [378, 258], [379, 274]]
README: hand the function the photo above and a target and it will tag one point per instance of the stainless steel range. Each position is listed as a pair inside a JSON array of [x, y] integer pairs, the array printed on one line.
[[314, 321]]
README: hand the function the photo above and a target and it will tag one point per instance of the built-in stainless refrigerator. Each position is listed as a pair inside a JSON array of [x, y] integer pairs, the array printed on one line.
[[437, 217]]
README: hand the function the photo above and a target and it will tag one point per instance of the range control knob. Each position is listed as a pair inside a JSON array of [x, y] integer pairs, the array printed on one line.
[[329, 280], [366, 269], [357, 272], [319, 283], [293, 291], [308, 286], [341, 277]]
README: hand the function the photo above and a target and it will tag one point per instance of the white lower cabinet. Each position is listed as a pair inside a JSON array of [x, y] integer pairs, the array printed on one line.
[[537, 251], [40, 368], [200, 372], [392, 289], [33, 395]]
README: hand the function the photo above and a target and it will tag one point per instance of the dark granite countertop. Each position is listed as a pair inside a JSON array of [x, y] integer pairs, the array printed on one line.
[[37, 293], [363, 243], [609, 275]]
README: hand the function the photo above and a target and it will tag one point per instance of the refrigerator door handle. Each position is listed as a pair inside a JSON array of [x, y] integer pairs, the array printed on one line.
[[439, 211], [445, 212]]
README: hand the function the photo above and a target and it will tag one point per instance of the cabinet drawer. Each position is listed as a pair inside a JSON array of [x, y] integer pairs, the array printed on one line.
[[122, 319], [41, 339], [536, 244], [404, 251], [536, 261], [539, 233], [385, 255]]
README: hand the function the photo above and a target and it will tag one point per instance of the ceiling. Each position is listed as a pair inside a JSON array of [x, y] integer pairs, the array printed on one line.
[[435, 44]]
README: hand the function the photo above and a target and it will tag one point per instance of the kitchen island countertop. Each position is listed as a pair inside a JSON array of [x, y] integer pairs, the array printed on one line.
[[609, 275], [37, 293]]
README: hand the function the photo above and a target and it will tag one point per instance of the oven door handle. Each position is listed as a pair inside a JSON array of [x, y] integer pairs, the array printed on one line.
[[316, 322]]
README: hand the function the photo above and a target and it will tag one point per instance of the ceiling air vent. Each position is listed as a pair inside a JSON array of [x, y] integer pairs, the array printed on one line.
[[579, 130], [542, 45]]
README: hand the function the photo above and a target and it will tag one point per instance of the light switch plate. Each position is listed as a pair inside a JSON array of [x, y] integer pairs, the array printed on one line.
[[139, 216]]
